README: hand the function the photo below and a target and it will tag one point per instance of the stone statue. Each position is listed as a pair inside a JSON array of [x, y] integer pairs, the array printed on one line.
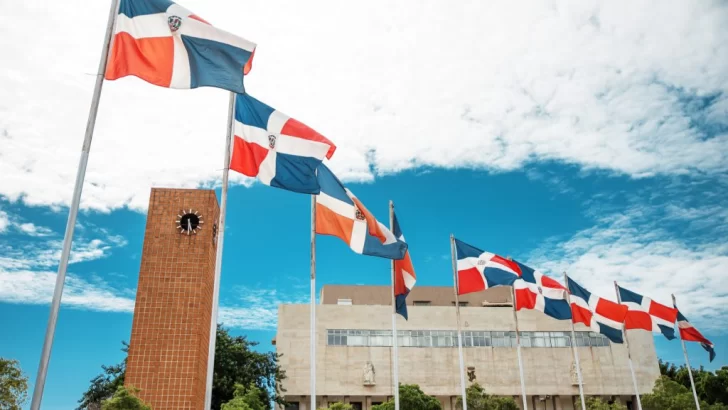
[[369, 374], [471, 373]]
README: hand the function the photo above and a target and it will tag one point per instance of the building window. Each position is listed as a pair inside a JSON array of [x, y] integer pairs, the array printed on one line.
[[471, 338], [357, 405], [460, 303], [422, 303], [344, 302], [292, 406]]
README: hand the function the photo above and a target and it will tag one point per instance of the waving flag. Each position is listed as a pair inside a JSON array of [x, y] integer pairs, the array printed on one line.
[[602, 315], [543, 294], [404, 274], [479, 270], [167, 45], [645, 313], [279, 150], [339, 213], [689, 333]]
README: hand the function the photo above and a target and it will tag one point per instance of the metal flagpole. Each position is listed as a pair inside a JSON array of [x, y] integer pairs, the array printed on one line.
[[687, 362], [574, 347], [218, 256], [313, 302], [395, 360], [73, 211], [629, 354], [453, 255], [518, 344]]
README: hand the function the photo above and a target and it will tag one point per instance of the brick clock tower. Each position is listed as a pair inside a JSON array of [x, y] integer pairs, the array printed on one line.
[[171, 327]]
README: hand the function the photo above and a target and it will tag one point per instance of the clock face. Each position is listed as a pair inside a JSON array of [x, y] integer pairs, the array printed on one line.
[[189, 222]]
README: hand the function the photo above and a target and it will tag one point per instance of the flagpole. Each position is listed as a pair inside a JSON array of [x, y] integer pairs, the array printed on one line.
[[574, 347], [518, 344], [629, 354], [395, 353], [73, 211], [313, 302], [687, 362], [453, 255], [218, 255]]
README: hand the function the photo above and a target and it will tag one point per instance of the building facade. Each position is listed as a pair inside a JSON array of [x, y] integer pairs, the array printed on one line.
[[171, 327], [354, 353]]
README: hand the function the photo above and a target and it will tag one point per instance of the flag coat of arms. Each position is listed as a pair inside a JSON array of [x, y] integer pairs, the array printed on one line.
[[339, 213], [601, 315], [274, 147], [689, 333], [164, 44], [645, 313], [479, 270], [404, 274]]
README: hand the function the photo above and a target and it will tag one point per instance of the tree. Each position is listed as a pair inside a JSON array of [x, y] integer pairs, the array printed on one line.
[[411, 397], [595, 403], [671, 395], [338, 406], [245, 399], [712, 387], [13, 385], [478, 399], [104, 385], [125, 399], [235, 363]]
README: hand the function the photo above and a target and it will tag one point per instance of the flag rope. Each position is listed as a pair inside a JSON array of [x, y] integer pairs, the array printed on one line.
[[395, 347], [518, 349], [312, 340], [574, 347], [453, 254], [629, 354], [687, 362], [73, 212], [218, 255]]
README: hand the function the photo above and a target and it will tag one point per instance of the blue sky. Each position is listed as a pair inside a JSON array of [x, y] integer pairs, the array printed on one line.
[[538, 215], [568, 134]]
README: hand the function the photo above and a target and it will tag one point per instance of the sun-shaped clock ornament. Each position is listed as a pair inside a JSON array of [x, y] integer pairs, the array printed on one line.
[[189, 222]]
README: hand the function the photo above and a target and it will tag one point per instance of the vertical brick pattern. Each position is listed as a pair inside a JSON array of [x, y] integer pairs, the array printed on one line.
[[170, 330]]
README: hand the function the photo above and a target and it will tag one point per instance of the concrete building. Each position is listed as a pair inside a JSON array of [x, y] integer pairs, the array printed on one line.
[[354, 353], [170, 332]]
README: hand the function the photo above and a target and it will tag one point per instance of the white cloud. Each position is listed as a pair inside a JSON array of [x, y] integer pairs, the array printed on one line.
[[26, 276], [647, 259], [32, 229], [256, 309], [36, 287], [489, 84], [4, 221]]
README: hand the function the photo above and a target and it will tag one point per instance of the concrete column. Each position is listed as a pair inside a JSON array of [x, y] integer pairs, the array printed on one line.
[[346, 400], [558, 405], [368, 403]]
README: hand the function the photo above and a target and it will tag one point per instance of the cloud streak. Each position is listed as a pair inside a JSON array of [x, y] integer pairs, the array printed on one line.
[[636, 250], [489, 85]]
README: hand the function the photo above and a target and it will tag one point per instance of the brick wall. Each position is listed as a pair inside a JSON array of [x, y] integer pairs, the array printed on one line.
[[170, 330]]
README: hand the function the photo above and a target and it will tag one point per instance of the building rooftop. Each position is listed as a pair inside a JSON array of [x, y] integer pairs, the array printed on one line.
[[420, 296]]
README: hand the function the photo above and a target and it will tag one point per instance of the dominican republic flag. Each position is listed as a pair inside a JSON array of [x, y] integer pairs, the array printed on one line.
[[689, 333], [602, 315], [404, 274], [479, 270], [167, 45], [279, 150], [545, 295], [645, 313], [339, 213]]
